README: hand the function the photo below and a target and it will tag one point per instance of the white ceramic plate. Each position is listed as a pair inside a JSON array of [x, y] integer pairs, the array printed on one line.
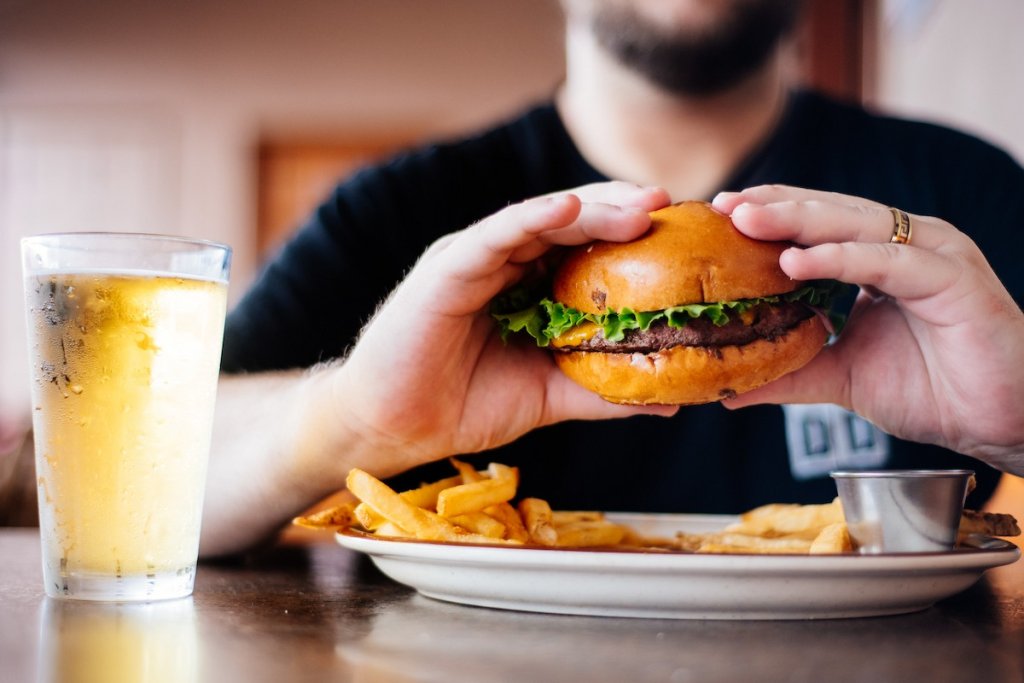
[[680, 585]]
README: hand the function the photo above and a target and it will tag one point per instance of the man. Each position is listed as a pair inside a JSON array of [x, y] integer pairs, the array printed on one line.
[[681, 100]]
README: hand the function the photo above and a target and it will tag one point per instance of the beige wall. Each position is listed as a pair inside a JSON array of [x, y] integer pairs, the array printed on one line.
[[144, 116], [955, 62]]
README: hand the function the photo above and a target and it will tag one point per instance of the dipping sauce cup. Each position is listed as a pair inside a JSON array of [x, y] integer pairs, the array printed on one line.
[[124, 340], [903, 511]]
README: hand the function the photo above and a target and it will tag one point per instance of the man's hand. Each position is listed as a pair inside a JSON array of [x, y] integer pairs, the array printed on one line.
[[430, 376], [934, 348]]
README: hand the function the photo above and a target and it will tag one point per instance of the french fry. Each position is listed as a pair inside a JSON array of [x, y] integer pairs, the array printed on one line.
[[634, 539], [988, 523], [688, 542], [590, 534], [426, 495], [504, 473], [368, 519], [389, 530], [835, 538], [779, 520], [386, 502], [338, 517], [743, 543], [536, 514], [480, 523], [515, 530], [560, 517], [476, 496], [467, 472], [502, 512]]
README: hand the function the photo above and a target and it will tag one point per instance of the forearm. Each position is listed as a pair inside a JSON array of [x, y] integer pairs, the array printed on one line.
[[278, 446]]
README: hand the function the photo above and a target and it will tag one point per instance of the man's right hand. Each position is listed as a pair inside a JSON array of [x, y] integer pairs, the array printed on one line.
[[430, 376]]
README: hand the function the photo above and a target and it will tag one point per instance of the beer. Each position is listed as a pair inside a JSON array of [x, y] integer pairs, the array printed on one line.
[[124, 380]]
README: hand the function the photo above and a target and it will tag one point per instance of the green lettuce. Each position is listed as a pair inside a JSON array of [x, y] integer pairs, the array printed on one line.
[[545, 320]]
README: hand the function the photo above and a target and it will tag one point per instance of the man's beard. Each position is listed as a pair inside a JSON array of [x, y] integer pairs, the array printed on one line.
[[697, 62]]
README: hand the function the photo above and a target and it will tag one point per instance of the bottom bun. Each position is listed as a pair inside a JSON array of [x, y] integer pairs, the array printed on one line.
[[688, 375]]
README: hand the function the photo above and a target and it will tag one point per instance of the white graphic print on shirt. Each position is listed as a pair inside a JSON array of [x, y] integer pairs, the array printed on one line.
[[823, 437]]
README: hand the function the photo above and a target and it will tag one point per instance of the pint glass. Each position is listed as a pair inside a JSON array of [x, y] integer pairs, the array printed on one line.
[[124, 339]]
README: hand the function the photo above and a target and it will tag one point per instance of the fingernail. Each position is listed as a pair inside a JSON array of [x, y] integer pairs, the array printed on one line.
[[741, 208], [655, 197], [723, 198], [787, 256]]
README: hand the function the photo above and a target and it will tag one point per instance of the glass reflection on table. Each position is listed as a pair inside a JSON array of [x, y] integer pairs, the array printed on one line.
[[87, 642]]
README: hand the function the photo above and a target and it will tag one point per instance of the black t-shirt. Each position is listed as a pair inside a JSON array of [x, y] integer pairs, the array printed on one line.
[[313, 297]]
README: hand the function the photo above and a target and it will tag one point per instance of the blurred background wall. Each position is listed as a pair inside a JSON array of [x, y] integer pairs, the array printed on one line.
[[226, 119], [954, 62], [153, 115]]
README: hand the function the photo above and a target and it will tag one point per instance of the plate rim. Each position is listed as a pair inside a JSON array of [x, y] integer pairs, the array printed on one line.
[[1000, 552], [687, 585]]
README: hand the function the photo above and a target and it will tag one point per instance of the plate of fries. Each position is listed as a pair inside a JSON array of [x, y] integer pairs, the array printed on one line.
[[463, 540]]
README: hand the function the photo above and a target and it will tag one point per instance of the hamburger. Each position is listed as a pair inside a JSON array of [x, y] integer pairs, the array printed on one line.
[[691, 312]]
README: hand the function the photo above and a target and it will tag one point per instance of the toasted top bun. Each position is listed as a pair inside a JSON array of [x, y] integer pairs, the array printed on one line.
[[691, 254]]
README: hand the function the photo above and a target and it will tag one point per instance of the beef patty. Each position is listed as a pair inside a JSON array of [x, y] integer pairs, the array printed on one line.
[[770, 321]]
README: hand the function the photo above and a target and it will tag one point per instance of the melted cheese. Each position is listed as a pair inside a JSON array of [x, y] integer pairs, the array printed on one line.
[[576, 335]]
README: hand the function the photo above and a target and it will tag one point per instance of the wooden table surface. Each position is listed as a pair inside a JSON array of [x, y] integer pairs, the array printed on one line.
[[318, 612]]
